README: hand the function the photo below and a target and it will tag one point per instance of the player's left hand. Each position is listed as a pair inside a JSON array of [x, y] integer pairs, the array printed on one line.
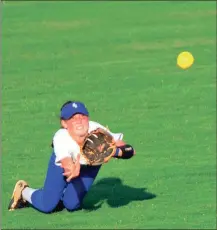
[[99, 147]]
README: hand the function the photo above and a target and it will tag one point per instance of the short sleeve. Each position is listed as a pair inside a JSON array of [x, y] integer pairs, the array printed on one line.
[[61, 145], [94, 125]]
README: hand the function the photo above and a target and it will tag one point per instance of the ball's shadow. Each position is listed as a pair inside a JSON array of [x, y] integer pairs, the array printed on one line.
[[115, 193]]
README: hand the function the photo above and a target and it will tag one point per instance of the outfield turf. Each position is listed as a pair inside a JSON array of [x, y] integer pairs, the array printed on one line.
[[120, 59]]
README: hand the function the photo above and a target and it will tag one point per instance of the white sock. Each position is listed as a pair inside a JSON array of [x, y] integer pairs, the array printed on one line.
[[27, 194]]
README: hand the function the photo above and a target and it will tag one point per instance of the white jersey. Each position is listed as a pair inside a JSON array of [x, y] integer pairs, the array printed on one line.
[[65, 146]]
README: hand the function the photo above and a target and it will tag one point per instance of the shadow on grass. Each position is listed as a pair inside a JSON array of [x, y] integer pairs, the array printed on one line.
[[115, 193], [112, 191]]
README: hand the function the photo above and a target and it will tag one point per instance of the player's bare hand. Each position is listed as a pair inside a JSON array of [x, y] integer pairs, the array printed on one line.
[[71, 169]]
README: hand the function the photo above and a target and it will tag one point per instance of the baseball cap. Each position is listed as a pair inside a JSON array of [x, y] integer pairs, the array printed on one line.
[[72, 108]]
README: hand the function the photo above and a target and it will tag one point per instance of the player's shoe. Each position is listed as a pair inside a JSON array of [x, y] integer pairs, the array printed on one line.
[[16, 200]]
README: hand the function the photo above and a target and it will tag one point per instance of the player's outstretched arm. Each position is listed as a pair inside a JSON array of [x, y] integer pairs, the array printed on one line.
[[71, 168], [124, 151]]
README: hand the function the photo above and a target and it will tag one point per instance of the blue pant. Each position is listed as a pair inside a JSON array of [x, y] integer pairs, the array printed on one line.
[[56, 188]]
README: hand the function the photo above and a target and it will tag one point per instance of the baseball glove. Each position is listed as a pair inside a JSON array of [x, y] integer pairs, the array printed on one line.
[[99, 146]]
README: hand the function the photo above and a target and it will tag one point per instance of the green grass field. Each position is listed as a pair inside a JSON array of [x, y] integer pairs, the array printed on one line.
[[120, 59]]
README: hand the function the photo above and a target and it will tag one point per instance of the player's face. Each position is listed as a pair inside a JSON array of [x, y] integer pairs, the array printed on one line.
[[78, 125]]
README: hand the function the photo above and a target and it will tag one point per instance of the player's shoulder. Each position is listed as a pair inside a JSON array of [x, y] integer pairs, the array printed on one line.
[[61, 133], [93, 125]]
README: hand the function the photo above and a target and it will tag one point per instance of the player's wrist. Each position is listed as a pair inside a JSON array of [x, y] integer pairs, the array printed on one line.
[[118, 152], [125, 152]]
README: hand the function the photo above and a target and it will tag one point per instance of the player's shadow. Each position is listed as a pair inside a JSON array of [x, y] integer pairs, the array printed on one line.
[[115, 193]]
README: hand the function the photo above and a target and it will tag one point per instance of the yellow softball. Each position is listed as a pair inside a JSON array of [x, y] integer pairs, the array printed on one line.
[[185, 60]]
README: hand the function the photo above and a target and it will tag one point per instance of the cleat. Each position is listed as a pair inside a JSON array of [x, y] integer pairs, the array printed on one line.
[[16, 200]]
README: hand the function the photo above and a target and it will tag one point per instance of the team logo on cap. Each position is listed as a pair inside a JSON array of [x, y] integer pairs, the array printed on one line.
[[74, 105]]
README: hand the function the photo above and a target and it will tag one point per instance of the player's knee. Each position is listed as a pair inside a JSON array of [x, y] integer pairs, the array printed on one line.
[[48, 209], [71, 205]]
